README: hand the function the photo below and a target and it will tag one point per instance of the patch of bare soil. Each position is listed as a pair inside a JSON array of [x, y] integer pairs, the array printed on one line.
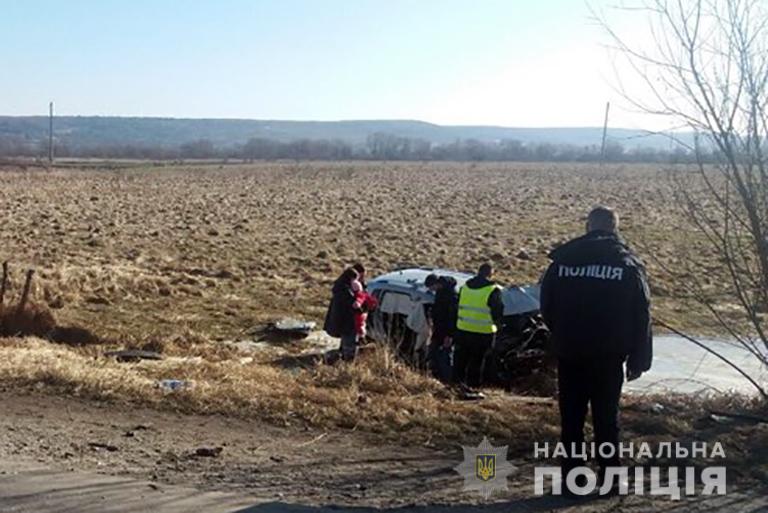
[[220, 453], [287, 465]]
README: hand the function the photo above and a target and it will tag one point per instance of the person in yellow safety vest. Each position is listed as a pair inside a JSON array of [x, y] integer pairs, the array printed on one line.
[[480, 316]]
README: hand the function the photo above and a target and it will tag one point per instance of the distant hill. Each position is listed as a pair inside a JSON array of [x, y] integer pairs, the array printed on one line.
[[95, 130]]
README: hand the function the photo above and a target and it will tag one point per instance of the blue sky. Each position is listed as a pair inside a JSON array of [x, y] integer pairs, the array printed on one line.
[[503, 62]]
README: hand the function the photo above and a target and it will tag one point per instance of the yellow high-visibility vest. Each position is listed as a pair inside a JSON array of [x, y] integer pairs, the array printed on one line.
[[474, 312]]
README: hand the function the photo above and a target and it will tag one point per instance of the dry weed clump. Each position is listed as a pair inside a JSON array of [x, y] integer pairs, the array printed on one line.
[[38, 321], [377, 371], [23, 318], [35, 319], [32, 320]]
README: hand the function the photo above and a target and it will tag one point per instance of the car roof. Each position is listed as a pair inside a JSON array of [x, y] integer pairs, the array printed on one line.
[[411, 281], [416, 276], [516, 299]]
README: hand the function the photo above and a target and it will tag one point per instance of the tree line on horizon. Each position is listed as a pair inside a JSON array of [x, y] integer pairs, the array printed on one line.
[[378, 146]]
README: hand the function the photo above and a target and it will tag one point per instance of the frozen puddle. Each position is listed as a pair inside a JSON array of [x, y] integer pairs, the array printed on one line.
[[682, 366]]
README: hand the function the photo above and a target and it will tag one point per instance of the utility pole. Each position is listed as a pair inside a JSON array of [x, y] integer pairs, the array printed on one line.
[[50, 132], [605, 133]]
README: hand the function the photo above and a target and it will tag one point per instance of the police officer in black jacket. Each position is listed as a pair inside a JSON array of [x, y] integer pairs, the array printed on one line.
[[595, 300]]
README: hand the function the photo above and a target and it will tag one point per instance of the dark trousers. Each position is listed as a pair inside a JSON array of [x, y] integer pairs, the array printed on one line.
[[468, 353], [439, 359], [348, 347], [596, 381]]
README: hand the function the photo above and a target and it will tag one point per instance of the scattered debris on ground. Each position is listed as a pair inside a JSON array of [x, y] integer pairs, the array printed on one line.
[[174, 385], [725, 416], [295, 326], [293, 351], [101, 445], [209, 452], [133, 355], [284, 330], [249, 346]]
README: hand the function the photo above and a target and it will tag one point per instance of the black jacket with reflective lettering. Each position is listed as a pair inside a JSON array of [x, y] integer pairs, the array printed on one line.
[[595, 300]]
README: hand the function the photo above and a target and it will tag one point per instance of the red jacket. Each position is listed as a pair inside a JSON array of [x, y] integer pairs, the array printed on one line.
[[364, 303]]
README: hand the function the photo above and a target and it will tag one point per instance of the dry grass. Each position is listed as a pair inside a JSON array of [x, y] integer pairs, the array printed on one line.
[[376, 394], [179, 259], [158, 251]]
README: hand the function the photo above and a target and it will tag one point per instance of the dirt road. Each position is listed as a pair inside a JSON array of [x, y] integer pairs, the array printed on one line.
[[26, 486], [66, 455], [262, 462]]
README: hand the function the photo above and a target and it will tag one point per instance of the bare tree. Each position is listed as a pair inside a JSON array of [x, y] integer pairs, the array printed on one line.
[[705, 66]]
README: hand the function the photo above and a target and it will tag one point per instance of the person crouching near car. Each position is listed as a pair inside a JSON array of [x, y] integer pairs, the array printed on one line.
[[364, 304], [340, 318], [442, 316]]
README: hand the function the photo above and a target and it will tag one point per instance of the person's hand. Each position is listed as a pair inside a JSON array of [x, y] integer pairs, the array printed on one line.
[[447, 342], [633, 374]]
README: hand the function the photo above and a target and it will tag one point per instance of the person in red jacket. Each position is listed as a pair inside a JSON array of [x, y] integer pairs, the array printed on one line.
[[364, 303]]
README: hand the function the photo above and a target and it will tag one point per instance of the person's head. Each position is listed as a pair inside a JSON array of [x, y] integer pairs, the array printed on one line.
[[360, 270], [485, 271], [349, 275], [432, 282], [356, 286], [602, 219]]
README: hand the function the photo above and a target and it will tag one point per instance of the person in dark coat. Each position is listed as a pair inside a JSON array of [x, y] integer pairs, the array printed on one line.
[[443, 319], [340, 319], [480, 316], [595, 301]]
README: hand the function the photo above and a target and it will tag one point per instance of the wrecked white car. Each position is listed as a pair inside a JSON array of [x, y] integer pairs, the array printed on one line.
[[520, 349]]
